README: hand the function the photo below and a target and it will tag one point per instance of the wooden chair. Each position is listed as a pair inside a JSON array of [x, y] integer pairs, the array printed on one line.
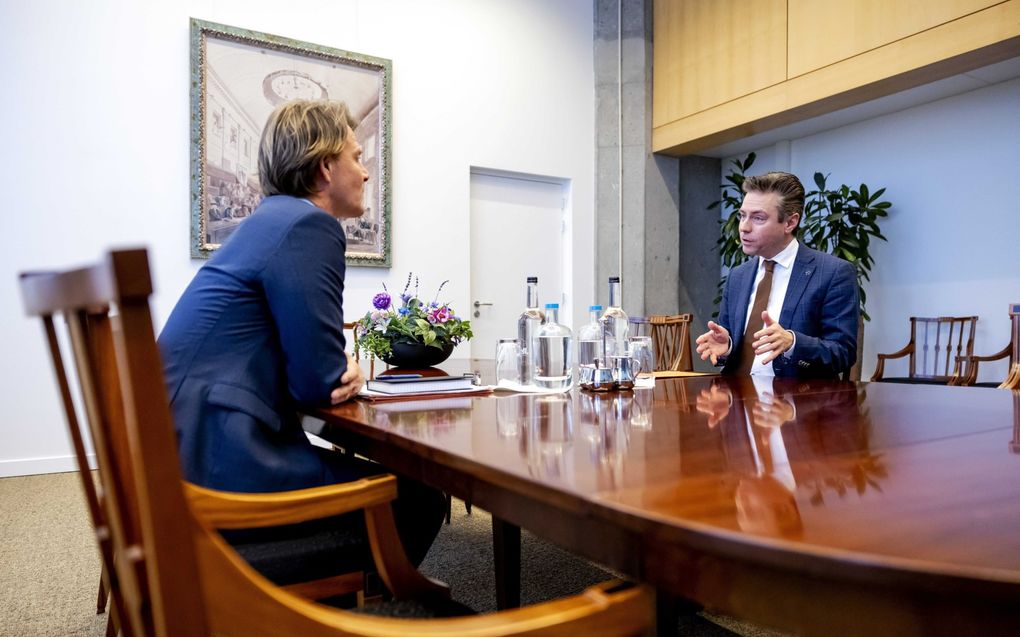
[[170, 572], [353, 327], [969, 365], [671, 339], [316, 563], [935, 344]]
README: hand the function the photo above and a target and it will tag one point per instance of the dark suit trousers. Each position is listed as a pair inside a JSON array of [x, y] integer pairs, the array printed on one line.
[[419, 512]]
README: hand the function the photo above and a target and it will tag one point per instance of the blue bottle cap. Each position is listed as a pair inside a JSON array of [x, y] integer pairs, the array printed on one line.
[[594, 308], [552, 306]]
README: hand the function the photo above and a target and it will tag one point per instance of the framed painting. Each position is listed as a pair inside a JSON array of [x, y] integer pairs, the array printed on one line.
[[237, 78]]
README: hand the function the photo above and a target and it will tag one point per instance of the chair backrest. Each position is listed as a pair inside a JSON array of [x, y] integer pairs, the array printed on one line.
[[671, 339], [174, 576], [141, 517], [937, 343], [1013, 375], [1014, 317]]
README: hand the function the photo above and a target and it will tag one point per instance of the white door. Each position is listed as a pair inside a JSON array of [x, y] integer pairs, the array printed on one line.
[[518, 229]]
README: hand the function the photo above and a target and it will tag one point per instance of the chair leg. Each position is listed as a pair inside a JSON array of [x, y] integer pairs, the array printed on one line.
[[112, 623], [449, 507], [104, 595]]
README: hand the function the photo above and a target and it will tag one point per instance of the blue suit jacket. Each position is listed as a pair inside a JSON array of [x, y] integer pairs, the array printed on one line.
[[257, 332], [821, 307]]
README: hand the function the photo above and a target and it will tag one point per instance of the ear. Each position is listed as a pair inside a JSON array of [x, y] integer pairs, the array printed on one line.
[[792, 222], [322, 175]]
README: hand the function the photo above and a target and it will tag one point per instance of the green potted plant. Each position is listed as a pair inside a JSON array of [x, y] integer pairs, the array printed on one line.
[[841, 221], [416, 334]]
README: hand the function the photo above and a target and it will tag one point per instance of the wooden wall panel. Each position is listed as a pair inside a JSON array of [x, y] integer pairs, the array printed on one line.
[[711, 51], [686, 124], [822, 32]]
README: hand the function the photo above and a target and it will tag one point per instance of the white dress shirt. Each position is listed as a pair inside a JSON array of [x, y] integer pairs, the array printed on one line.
[[780, 282]]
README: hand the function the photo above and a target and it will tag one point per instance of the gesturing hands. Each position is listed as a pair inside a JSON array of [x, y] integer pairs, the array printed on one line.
[[713, 343], [715, 403], [772, 340], [350, 382]]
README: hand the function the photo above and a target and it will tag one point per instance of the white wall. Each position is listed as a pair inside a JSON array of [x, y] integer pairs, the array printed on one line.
[[950, 167], [95, 152]]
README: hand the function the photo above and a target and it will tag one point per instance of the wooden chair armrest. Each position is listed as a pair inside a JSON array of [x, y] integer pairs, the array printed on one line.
[[396, 571], [229, 510], [966, 372], [991, 357], [246, 603], [908, 348], [882, 358]]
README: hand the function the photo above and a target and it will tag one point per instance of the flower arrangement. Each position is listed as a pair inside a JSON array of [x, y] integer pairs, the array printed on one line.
[[414, 322]]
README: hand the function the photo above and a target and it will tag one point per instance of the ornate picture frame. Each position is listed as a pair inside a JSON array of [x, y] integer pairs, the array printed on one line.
[[237, 78]]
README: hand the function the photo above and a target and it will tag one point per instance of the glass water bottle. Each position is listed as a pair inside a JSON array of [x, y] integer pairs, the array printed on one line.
[[589, 338], [553, 367], [527, 332], [614, 321]]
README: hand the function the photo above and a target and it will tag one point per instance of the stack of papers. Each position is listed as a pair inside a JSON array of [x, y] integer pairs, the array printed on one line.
[[416, 387], [418, 384]]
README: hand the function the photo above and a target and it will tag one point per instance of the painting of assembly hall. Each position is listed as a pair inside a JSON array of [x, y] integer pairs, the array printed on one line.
[[238, 77]]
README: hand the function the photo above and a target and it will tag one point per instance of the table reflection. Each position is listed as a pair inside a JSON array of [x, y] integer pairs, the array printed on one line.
[[783, 445], [424, 419]]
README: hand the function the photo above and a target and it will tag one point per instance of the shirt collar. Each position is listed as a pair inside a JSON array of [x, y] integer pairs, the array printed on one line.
[[786, 256]]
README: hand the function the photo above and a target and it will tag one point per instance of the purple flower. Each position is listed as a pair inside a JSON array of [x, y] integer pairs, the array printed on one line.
[[381, 301]]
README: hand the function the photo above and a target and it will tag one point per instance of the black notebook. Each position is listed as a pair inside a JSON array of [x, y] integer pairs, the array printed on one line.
[[423, 385]]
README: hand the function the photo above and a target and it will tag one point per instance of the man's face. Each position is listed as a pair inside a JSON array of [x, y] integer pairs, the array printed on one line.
[[346, 182], [762, 234]]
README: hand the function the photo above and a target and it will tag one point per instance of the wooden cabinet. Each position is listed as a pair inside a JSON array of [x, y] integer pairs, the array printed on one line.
[[726, 69]]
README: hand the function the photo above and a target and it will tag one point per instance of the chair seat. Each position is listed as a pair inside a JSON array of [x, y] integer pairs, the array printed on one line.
[[304, 552], [912, 381], [416, 609]]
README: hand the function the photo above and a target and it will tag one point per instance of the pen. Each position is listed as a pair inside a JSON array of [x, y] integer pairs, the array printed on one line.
[[399, 376]]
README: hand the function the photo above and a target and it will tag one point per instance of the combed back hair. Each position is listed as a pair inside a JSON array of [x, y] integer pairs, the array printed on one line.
[[298, 135], [787, 186]]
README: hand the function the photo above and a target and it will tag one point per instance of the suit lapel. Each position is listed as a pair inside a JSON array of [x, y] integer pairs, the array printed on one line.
[[803, 268]]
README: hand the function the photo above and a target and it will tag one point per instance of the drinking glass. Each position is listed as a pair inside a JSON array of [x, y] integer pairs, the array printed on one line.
[[641, 352], [508, 360]]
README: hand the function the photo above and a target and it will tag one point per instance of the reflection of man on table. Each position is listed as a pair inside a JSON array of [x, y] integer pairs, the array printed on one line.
[[765, 498], [812, 294]]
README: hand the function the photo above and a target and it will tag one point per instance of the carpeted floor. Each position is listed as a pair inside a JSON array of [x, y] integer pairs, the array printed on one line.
[[49, 565]]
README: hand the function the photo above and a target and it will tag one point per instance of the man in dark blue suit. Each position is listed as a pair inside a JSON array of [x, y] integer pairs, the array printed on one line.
[[813, 294], [259, 331]]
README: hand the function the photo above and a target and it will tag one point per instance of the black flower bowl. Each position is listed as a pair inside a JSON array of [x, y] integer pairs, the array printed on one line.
[[417, 355]]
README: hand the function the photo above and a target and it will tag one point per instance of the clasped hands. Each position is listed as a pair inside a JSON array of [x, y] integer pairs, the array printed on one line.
[[350, 382], [772, 340]]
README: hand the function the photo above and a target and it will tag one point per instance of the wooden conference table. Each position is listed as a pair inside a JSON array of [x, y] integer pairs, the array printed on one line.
[[816, 507]]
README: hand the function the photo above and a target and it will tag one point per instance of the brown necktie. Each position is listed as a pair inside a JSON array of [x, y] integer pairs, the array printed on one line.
[[761, 302]]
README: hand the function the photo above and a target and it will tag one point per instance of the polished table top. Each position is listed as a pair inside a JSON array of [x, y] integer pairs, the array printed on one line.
[[914, 489]]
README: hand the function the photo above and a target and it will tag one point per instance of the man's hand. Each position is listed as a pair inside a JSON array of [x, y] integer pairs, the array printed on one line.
[[772, 340], [715, 402], [350, 382], [714, 343], [771, 411]]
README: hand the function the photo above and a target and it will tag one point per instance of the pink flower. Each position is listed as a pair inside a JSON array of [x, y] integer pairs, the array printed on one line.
[[440, 315]]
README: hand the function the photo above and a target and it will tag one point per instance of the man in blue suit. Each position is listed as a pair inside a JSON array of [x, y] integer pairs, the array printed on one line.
[[813, 294], [259, 331]]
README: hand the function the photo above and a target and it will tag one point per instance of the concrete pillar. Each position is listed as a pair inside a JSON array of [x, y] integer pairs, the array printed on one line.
[[664, 250]]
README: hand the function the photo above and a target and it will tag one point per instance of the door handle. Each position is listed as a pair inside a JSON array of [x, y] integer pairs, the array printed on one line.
[[479, 304]]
